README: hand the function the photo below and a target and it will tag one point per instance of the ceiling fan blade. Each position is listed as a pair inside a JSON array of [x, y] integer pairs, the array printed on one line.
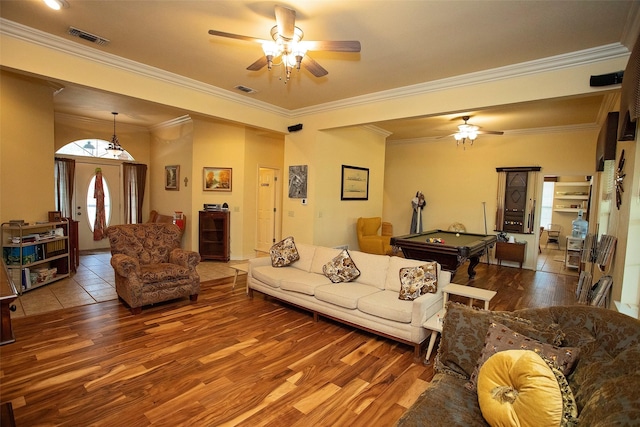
[[333, 46], [235, 36], [490, 132], [259, 64], [286, 21], [313, 67]]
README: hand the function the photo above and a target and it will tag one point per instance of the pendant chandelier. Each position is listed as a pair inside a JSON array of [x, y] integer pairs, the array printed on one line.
[[114, 149]]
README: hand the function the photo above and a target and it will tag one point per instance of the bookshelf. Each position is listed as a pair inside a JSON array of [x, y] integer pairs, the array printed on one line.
[[36, 254], [572, 197]]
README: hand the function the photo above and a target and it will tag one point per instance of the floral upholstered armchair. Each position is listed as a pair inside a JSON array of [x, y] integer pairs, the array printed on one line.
[[150, 266]]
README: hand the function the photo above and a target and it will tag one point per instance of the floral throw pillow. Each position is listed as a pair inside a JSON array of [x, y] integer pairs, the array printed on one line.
[[284, 253], [341, 268], [416, 281]]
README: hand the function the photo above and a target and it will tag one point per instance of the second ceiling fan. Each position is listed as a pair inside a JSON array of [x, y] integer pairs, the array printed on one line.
[[287, 45], [469, 132]]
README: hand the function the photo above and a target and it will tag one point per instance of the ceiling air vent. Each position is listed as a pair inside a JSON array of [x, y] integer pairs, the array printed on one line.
[[245, 89], [88, 36]]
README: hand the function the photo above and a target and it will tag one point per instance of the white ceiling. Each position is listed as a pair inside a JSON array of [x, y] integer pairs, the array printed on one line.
[[404, 42]]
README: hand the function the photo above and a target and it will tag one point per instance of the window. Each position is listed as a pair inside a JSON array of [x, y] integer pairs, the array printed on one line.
[[546, 209], [91, 148]]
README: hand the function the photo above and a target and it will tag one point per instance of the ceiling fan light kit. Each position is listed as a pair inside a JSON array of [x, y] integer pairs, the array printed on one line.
[[466, 132], [287, 48]]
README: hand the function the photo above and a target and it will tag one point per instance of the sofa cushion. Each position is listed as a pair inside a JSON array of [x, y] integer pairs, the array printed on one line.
[[373, 268], [464, 330], [518, 387], [416, 281], [500, 338], [385, 304], [321, 256], [445, 402], [284, 253], [392, 279], [305, 283], [608, 391], [273, 276], [341, 268], [344, 294], [306, 253]]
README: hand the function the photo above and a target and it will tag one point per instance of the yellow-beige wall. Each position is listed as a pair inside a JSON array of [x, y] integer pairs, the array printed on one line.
[[172, 146], [332, 219], [459, 184], [26, 149]]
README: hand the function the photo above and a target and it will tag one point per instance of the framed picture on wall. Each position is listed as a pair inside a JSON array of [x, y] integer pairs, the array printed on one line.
[[172, 177], [216, 179], [355, 183], [298, 182]]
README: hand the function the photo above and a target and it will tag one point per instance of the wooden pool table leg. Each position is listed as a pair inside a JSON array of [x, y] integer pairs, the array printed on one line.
[[473, 261]]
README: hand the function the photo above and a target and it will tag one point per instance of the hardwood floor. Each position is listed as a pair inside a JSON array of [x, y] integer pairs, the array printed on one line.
[[226, 360]]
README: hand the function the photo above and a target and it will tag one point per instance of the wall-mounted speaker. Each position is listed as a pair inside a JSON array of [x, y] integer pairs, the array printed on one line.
[[295, 128], [606, 79]]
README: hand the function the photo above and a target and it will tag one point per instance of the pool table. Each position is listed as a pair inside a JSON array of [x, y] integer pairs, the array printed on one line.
[[451, 254]]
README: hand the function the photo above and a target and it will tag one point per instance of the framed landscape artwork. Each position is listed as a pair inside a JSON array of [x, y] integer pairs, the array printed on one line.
[[172, 177], [216, 179], [355, 183]]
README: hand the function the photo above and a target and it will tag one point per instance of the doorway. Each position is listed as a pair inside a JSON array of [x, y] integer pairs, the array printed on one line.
[[84, 202], [563, 198], [268, 218]]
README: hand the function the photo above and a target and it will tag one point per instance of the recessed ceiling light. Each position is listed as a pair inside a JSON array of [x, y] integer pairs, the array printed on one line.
[[57, 4]]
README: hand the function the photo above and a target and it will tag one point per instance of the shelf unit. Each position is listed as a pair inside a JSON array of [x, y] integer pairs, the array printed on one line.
[[214, 235], [573, 252], [36, 255], [573, 197]]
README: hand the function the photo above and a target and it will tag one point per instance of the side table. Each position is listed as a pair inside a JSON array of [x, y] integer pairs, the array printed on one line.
[[244, 267], [510, 252], [434, 323]]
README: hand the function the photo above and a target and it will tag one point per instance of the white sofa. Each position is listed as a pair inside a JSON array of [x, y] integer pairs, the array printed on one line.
[[370, 302]]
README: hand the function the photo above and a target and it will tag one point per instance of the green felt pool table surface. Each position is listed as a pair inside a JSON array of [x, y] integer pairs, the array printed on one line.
[[455, 249], [451, 238]]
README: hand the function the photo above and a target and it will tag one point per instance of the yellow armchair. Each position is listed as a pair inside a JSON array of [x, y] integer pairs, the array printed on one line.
[[368, 238]]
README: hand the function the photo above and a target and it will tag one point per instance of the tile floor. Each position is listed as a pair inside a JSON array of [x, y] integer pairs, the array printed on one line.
[[94, 282], [551, 260]]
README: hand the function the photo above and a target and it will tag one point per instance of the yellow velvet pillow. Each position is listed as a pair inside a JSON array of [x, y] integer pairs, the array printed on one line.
[[520, 388]]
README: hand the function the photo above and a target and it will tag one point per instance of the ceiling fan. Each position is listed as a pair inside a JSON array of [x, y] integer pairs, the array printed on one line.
[[468, 132], [287, 45]]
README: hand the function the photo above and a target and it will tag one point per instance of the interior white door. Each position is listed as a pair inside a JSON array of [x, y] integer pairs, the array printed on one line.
[[266, 209], [83, 196]]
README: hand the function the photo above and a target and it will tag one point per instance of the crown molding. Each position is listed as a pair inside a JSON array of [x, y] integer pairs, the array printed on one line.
[[558, 62], [50, 41], [73, 119], [377, 130], [178, 121]]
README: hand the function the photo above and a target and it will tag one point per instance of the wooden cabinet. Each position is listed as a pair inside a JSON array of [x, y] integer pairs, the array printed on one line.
[[510, 252], [214, 235], [36, 254]]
